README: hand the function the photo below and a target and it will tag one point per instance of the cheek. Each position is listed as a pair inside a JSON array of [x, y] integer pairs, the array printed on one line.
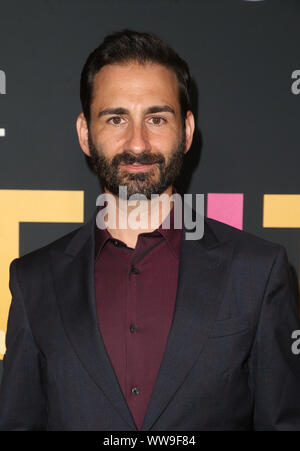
[[109, 143], [164, 142], [166, 135]]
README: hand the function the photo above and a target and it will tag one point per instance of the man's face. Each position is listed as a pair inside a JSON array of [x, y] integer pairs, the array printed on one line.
[[136, 138]]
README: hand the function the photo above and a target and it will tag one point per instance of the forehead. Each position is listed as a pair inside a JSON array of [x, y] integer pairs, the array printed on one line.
[[135, 83]]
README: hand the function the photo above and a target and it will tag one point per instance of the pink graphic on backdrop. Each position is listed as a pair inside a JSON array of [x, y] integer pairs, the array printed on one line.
[[226, 207]]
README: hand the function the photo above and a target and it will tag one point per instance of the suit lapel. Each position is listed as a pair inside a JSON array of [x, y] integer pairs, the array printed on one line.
[[201, 279], [74, 283]]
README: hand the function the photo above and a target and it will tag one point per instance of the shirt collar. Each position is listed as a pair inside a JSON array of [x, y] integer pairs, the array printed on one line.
[[171, 235]]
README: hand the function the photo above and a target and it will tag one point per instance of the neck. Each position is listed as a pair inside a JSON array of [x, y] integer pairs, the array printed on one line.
[[132, 217]]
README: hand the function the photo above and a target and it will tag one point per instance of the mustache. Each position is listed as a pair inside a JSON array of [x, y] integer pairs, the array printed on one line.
[[143, 158]]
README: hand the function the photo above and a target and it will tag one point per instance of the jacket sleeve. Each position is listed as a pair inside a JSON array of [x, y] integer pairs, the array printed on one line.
[[22, 400], [274, 367]]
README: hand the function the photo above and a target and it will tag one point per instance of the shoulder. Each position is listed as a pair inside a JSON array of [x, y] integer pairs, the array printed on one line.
[[36, 262], [246, 244]]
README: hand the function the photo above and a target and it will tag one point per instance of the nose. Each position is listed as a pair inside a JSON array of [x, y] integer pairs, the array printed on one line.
[[137, 141]]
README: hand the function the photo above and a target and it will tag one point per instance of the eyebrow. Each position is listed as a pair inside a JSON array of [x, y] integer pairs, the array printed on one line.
[[151, 110]]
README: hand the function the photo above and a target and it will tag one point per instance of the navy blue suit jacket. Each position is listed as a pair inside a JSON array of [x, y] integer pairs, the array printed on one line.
[[228, 362]]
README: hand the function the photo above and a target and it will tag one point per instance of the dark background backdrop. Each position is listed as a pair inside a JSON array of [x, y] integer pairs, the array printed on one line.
[[241, 54]]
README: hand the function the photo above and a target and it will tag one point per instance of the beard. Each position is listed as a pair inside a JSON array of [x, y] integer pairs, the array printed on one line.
[[147, 182]]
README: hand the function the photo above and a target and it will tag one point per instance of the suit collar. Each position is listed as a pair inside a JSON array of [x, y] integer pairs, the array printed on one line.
[[87, 231]]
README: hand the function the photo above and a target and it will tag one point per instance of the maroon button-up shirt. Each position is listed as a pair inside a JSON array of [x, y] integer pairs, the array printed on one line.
[[135, 296]]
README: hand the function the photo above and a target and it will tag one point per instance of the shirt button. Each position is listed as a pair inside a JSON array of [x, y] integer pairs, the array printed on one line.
[[135, 390], [116, 243], [133, 327], [135, 270]]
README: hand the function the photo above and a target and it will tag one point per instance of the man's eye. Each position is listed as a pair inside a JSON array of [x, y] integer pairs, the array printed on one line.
[[116, 120], [157, 120]]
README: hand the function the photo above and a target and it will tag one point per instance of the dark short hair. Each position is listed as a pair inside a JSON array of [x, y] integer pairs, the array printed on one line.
[[128, 45]]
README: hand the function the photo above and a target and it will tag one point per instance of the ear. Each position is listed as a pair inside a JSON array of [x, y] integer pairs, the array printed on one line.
[[189, 130], [83, 133]]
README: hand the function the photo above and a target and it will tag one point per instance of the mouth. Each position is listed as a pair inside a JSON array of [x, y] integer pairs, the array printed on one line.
[[136, 167]]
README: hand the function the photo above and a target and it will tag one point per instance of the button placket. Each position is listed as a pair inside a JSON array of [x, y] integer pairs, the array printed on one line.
[[133, 328]]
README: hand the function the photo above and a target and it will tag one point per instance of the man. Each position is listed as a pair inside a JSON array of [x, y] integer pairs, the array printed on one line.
[[142, 329]]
